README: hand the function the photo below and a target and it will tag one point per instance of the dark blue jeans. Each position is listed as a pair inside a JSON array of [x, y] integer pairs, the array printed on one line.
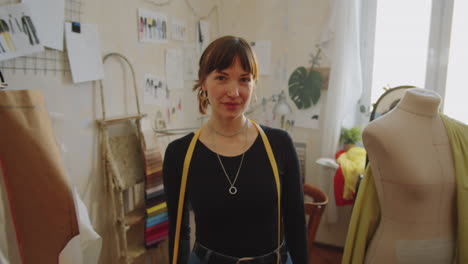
[[194, 259]]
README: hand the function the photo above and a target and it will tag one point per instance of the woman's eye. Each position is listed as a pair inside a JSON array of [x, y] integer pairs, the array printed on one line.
[[220, 78], [245, 80]]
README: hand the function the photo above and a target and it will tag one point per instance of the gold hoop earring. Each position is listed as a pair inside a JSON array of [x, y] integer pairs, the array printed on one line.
[[203, 96], [202, 93]]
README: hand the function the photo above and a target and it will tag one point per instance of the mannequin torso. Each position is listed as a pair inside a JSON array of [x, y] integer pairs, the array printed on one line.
[[412, 164]]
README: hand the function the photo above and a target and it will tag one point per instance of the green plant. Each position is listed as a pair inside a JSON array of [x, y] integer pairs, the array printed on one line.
[[305, 83], [351, 135]]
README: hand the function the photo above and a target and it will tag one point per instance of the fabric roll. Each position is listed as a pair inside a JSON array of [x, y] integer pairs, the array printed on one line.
[[40, 199]]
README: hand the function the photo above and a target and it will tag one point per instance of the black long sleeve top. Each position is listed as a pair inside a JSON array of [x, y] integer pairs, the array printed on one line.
[[244, 224]]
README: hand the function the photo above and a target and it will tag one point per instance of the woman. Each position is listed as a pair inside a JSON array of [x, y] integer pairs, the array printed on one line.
[[231, 183]]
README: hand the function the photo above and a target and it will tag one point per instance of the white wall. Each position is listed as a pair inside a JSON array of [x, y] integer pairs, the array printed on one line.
[[79, 104]]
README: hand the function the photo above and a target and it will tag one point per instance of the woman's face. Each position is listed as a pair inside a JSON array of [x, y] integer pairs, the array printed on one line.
[[229, 91]]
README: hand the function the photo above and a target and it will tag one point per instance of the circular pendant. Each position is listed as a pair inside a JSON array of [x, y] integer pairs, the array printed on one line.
[[233, 190]]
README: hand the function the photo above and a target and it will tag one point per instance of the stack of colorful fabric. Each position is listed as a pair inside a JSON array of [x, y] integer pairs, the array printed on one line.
[[157, 226], [156, 209]]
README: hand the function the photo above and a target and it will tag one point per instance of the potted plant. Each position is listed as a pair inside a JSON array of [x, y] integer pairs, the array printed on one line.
[[349, 137]]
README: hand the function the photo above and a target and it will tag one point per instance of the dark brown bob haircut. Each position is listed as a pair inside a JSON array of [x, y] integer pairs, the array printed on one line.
[[220, 55]]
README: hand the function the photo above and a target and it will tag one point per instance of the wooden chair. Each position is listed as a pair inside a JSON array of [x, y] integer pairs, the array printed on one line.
[[314, 210]]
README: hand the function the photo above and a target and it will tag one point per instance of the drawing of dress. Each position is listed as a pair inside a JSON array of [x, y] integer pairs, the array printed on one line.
[[17, 24], [29, 29], [2, 49], [164, 29], [145, 25], [12, 25], [150, 33], [155, 28], [158, 28], [142, 28], [5, 33]]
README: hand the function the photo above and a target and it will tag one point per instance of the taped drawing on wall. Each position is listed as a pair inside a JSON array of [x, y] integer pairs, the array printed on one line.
[[174, 66], [179, 29], [156, 91], [18, 33], [203, 34], [152, 26], [190, 61], [263, 51], [84, 52], [49, 16], [174, 113]]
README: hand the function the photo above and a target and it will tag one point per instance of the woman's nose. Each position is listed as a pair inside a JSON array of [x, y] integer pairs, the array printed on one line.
[[232, 90]]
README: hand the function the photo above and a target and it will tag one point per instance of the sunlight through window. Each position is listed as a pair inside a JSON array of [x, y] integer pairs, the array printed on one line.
[[401, 43], [456, 91]]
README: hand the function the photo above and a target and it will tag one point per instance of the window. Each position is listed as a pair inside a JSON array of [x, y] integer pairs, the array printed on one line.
[[456, 90], [420, 43], [401, 44]]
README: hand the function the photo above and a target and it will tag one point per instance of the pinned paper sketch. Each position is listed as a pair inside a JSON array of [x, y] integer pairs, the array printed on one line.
[[84, 52], [263, 51], [152, 26], [174, 74], [179, 29], [49, 17], [174, 113], [190, 61], [18, 33], [155, 90], [203, 34]]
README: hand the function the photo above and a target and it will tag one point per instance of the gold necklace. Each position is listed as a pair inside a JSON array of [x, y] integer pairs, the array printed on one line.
[[233, 189], [232, 134]]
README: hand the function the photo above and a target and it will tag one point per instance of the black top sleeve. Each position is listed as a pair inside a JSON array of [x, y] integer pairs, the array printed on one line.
[[172, 175]]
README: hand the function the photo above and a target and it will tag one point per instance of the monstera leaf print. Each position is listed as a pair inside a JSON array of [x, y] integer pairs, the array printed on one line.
[[304, 87]]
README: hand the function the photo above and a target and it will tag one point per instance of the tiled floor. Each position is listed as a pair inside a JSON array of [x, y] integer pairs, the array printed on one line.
[[326, 255]]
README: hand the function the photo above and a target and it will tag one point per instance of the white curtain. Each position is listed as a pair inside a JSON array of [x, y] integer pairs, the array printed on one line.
[[341, 44]]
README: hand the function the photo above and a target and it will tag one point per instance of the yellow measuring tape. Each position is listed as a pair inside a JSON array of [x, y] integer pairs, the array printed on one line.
[[183, 186]]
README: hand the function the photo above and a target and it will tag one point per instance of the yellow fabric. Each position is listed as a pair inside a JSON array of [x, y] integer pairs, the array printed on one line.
[[183, 185], [366, 211], [156, 208], [458, 135], [352, 164], [364, 221], [155, 213]]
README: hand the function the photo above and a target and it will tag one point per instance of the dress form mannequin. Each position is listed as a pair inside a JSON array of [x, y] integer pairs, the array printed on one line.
[[412, 164]]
